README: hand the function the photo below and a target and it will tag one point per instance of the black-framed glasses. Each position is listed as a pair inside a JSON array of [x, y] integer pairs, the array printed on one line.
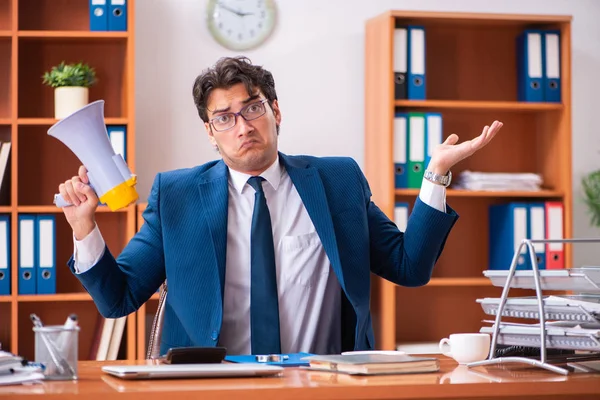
[[250, 112]]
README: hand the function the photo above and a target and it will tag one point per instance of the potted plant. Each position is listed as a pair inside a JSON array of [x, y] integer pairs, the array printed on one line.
[[71, 84], [591, 191]]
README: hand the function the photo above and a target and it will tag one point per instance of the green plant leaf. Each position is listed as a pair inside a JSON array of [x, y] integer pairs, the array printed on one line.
[[591, 191], [61, 75]]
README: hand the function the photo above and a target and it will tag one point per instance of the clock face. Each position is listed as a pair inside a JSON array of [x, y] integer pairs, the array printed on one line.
[[241, 24]]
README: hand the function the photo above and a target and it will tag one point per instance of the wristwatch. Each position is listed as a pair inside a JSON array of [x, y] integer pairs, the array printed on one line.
[[443, 180]]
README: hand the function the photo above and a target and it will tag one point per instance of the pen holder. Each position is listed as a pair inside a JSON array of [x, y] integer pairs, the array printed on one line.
[[56, 349]]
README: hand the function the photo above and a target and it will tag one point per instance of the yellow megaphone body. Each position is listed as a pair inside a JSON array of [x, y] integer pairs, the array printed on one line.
[[84, 132]]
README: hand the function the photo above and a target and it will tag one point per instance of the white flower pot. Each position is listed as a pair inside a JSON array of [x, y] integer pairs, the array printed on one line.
[[69, 99]]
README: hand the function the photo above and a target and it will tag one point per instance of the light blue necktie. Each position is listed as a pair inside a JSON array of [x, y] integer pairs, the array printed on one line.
[[264, 306]]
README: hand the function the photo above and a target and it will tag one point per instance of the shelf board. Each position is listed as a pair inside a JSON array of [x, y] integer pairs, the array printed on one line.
[[53, 209], [52, 121], [5, 33], [72, 35], [5, 121], [459, 282], [5, 209], [5, 299], [155, 296], [485, 193], [479, 105], [478, 19], [55, 297]]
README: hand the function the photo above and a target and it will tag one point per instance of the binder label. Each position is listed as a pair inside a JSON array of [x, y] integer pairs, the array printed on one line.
[[46, 243], [534, 54], [552, 57]]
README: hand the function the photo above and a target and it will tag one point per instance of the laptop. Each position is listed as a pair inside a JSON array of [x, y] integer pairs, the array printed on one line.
[[177, 371]]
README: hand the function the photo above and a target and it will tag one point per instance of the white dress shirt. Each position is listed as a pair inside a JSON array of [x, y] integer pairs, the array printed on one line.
[[308, 290]]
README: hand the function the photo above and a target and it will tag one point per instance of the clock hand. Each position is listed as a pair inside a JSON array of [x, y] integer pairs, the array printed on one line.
[[230, 9], [238, 13]]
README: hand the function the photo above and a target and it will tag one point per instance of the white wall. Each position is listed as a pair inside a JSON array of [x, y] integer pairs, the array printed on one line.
[[316, 55]]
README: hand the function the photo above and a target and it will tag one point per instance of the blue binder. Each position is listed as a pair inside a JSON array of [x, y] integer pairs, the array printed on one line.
[[507, 228], [4, 255], [536, 222], [117, 135], [27, 256], [530, 66], [117, 15], [400, 150], [552, 73], [46, 254], [416, 63], [98, 15]]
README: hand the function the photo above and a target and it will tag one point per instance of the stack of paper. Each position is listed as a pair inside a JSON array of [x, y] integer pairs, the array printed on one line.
[[581, 308], [559, 335], [14, 370], [494, 181]]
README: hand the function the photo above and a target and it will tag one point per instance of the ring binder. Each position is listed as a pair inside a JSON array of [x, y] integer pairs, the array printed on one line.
[[543, 361]]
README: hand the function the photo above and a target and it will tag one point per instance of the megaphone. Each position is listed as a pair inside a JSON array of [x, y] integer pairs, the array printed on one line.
[[85, 134]]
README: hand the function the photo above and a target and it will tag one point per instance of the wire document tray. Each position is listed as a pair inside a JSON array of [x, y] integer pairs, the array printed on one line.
[[582, 280], [567, 337], [580, 308], [542, 335]]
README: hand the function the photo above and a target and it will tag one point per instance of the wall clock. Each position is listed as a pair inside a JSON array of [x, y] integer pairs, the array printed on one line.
[[241, 24]]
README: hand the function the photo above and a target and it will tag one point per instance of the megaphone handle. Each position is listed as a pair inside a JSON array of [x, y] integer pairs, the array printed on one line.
[[60, 202]]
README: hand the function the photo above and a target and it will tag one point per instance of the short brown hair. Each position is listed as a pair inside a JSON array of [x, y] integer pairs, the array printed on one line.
[[229, 71]]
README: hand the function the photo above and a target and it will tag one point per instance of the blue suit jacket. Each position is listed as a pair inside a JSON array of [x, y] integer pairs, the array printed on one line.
[[184, 238]]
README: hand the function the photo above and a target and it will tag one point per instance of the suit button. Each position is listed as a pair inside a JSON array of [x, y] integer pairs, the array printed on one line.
[[214, 335]]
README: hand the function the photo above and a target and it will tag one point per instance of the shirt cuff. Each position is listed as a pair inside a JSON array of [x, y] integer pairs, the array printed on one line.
[[433, 195], [88, 251]]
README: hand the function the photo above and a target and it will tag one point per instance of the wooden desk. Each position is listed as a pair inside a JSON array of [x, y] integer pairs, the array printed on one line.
[[452, 382]]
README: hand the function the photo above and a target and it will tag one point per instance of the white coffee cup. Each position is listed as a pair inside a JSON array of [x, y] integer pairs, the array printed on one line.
[[467, 347]]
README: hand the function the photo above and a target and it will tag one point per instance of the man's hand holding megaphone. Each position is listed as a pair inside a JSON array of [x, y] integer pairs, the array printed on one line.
[[84, 200]]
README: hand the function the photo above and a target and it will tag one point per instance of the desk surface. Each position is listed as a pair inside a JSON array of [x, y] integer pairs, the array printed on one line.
[[453, 381]]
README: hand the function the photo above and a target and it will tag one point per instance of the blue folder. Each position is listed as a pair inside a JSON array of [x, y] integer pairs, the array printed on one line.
[[293, 360]]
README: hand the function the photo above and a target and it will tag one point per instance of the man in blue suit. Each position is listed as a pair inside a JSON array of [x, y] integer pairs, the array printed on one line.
[[263, 252]]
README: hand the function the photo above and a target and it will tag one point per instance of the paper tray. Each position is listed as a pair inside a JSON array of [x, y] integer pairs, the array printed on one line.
[[582, 280], [578, 308], [557, 337]]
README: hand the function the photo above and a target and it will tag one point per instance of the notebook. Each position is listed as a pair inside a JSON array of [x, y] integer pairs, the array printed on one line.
[[178, 371], [374, 364]]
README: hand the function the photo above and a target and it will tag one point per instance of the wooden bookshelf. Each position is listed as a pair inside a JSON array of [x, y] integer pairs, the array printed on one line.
[[34, 36], [471, 80]]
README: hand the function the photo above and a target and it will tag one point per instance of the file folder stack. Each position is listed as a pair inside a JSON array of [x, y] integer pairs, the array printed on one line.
[[538, 66], [409, 63], [108, 15], [37, 254], [495, 181], [416, 135], [510, 223]]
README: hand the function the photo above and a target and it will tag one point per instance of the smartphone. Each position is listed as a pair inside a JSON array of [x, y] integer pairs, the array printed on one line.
[[195, 355]]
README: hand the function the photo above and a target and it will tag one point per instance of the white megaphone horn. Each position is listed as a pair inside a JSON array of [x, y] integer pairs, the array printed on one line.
[[85, 134]]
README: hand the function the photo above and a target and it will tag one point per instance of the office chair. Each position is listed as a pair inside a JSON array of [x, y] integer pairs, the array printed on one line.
[[153, 351]]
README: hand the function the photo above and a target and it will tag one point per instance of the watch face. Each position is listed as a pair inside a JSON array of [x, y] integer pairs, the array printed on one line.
[[241, 24]]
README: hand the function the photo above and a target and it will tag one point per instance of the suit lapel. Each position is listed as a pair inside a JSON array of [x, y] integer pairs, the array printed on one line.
[[309, 185], [214, 196]]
